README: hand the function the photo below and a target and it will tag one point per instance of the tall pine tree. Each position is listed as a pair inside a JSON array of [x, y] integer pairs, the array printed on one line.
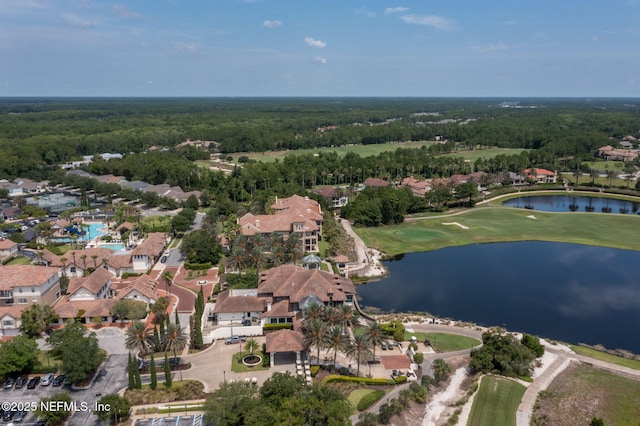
[[167, 372], [130, 373], [154, 377]]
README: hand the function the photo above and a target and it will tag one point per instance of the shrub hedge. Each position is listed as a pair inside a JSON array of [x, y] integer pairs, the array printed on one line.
[[336, 378], [400, 380], [272, 327], [369, 399], [197, 266], [314, 370]]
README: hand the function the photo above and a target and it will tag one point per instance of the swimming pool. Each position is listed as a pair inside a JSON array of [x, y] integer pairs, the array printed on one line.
[[93, 230], [112, 246]]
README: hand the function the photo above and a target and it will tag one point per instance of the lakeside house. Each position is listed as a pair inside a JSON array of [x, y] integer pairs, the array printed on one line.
[[293, 215], [610, 153], [283, 293], [540, 175]]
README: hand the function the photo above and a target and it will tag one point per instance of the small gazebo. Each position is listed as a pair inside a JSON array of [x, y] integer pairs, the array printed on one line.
[[311, 261]]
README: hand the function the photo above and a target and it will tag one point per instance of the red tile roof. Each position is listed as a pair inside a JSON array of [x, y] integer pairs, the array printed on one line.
[[284, 341], [12, 276], [93, 282], [229, 301]]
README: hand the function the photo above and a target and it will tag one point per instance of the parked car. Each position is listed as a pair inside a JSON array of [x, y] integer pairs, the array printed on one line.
[[46, 380], [163, 259], [19, 417], [383, 346], [234, 339], [58, 381], [202, 282], [246, 322], [41, 422], [8, 415], [33, 382], [8, 384], [22, 380]]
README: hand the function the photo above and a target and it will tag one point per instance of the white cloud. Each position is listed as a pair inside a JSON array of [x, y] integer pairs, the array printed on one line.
[[390, 10], [490, 47], [366, 12], [508, 23], [121, 10], [272, 24], [315, 43], [320, 60], [77, 21], [434, 21]]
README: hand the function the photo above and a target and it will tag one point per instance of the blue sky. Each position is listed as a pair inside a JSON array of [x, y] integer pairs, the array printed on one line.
[[320, 48]]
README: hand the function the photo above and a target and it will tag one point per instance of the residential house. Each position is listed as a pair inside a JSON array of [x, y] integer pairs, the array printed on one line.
[[92, 287], [24, 285], [8, 248], [418, 187], [336, 196], [282, 294], [148, 252], [294, 215], [11, 213], [540, 175], [90, 301], [516, 179], [626, 144], [610, 153], [375, 182]]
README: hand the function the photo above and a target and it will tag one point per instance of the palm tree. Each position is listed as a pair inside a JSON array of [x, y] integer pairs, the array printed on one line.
[[359, 349], [577, 174], [138, 338], [374, 333], [84, 260], [250, 345], [168, 279], [347, 317], [95, 264], [313, 312], [236, 258], [64, 265], [175, 339], [337, 341], [593, 173], [315, 334], [330, 315], [611, 175]]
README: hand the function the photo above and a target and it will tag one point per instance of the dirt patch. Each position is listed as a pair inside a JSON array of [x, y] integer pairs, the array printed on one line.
[[582, 392]]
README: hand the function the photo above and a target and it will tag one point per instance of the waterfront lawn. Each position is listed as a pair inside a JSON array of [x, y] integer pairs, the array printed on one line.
[[496, 402], [503, 224], [603, 356], [444, 342], [582, 392]]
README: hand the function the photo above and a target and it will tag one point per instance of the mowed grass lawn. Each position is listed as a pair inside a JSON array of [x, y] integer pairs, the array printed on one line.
[[361, 150], [496, 402], [444, 342], [603, 356], [582, 392], [503, 224], [473, 155]]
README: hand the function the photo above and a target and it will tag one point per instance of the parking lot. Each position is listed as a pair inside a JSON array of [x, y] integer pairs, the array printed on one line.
[[112, 380]]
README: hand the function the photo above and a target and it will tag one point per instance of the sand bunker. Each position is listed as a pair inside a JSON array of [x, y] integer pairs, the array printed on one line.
[[531, 216], [456, 224]]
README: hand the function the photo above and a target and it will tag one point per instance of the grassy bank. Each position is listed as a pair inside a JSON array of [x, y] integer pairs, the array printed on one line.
[[581, 393], [496, 402], [444, 342], [602, 356], [501, 224]]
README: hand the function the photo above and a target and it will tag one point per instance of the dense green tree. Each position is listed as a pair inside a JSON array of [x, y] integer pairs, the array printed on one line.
[[59, 413], [201, 246], [503, 354], [78, 350], [18, 355], [36, 319], [441, 370], [533, 343], [118, 410]]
